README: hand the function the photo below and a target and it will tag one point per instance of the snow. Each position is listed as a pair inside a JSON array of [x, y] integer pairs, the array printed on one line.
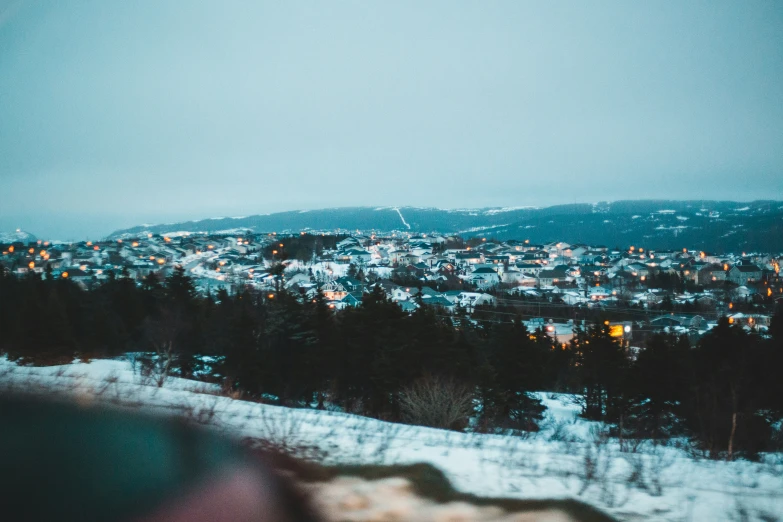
[[508, 209], [547, 464], [402, 218]]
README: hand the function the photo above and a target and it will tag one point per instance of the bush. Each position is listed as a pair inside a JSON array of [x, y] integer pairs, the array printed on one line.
[[437, 402]]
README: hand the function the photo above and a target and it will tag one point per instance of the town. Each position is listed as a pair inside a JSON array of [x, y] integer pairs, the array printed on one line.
[[552, 286]]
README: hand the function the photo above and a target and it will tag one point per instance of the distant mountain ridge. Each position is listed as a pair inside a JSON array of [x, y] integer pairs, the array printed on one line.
[[18, 235], [664, 224]]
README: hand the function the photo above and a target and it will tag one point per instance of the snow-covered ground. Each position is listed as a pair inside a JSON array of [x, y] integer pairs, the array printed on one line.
[[569, 457]]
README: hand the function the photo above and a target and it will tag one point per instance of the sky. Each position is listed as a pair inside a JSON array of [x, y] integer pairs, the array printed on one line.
[[116, 113]]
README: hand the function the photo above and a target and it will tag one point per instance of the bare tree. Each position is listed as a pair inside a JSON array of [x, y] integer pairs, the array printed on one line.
[[437, 402], [162, 334]]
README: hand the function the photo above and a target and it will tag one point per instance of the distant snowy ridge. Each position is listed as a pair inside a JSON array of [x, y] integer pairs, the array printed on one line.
[[18, 235]]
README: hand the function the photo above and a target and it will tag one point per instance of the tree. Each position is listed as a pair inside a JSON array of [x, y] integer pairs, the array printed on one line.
[[601, 361], [657, 386]]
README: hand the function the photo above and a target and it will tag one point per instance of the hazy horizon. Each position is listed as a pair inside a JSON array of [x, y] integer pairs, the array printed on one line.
[[115, 113]]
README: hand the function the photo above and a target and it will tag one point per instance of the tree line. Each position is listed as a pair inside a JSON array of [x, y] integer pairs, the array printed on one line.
[[724, 393]]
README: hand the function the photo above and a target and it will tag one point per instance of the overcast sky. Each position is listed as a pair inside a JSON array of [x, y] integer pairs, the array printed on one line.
[[116, 113]]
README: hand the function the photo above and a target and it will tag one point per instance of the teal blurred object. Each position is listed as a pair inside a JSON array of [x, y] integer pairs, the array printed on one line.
[[65, 462]]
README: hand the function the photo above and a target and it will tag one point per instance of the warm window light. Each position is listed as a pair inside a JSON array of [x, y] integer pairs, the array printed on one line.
[[161, 261], [11, 249], [65, 275], [96, 247], [32, 250], [271, 296], [31, 265], [42, 253]]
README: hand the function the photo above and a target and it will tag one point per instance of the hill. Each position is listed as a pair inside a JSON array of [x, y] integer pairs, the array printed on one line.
[[711, 225]]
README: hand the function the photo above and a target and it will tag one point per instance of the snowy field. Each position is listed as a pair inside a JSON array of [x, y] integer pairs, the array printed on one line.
[[568, 458]]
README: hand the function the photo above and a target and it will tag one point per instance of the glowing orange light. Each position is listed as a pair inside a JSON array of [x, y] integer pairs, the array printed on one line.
[[31, 265], [731, 320], [161, 261], [32, 250], [731, 305], [271, 296], [42, 253], [65, 275], [11, 248], [96, 247]]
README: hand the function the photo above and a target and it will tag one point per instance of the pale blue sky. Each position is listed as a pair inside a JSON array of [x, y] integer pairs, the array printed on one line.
[[115, 113]]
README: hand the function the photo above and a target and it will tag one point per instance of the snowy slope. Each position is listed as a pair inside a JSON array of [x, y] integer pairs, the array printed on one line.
[[566, 459]]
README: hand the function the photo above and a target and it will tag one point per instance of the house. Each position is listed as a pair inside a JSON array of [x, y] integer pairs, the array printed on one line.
[[743, 274], [484, 277], [470, 300], [530, 269], [350, 284], [352, 299], [671, 320], [712, 273], [468, 258], [551, 277], [408, 306], [333, 291]]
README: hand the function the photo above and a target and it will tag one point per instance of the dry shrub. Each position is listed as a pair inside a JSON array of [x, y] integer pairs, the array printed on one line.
[[437, 402]]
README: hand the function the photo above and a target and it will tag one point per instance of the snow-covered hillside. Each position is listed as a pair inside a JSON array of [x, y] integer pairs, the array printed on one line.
[[569, 458], [17, 235]]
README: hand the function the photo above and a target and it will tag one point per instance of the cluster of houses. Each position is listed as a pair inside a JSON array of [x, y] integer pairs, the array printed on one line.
[[433, 269]]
